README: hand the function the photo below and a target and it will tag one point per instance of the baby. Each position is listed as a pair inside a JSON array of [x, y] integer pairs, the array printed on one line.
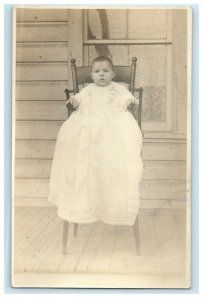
[[102, 75], [97, 162]]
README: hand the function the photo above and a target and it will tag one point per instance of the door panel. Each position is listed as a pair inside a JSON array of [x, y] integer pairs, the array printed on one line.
[[152, 76], [147, 23], [118, 53]]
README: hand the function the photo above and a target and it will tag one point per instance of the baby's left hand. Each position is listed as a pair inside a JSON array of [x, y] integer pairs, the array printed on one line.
[[136, 101]]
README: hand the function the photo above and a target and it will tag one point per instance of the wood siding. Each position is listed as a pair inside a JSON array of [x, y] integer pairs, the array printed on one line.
[[43, 50], [42, 74]]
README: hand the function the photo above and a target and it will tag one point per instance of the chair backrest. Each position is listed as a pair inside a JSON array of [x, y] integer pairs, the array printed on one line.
[[124, 74]]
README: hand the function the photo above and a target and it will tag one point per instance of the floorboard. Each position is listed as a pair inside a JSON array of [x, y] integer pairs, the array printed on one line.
[[100, 248]]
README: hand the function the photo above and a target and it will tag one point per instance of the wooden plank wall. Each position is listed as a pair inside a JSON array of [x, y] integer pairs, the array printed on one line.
[[41, 77], [42, 74]]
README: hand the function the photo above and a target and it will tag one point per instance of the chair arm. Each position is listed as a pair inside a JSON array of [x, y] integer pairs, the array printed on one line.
[[132, 107], [69, 105]]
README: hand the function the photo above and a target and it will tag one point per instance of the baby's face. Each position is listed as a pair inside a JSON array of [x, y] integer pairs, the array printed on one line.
[[102, 73]]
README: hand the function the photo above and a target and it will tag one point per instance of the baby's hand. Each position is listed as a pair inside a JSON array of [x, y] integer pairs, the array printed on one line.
[[132, 101], [74, 101], [136, 101]]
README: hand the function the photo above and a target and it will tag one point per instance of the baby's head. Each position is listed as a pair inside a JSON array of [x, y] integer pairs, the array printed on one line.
[[102, 71]]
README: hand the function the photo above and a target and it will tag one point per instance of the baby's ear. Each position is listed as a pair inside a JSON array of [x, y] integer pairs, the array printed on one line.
[[113, 74]]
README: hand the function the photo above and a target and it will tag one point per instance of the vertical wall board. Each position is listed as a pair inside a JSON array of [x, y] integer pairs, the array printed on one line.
[[179, 59]]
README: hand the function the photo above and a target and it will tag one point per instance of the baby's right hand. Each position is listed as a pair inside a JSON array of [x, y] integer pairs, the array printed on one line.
[[74, 101]]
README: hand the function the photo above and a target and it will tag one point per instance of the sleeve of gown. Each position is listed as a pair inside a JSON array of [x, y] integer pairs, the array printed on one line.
[[77, 98], [127, 96]]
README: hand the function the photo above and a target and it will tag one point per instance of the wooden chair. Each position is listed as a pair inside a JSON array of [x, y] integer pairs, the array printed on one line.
[[124, 74]]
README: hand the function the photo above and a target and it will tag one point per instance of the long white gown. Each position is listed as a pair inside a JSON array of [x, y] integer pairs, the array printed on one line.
[[97, 163]]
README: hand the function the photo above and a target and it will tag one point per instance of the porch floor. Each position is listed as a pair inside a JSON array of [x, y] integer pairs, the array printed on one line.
[[99, 250]]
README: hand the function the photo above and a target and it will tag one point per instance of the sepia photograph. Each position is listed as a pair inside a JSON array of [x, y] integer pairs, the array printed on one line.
[[101, 147]]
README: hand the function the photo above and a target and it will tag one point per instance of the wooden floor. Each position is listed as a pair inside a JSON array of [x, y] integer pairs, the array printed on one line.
[[100, 249]]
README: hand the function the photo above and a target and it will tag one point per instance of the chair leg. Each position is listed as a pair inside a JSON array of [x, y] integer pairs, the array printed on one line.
[[75, 229], [65, 236], [136, 232]]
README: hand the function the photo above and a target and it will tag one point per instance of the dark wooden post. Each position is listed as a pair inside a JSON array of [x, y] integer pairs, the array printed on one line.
[[65, 236], [132, 74], [140, 108], [74, 75], [136, 232], [75, 229]]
